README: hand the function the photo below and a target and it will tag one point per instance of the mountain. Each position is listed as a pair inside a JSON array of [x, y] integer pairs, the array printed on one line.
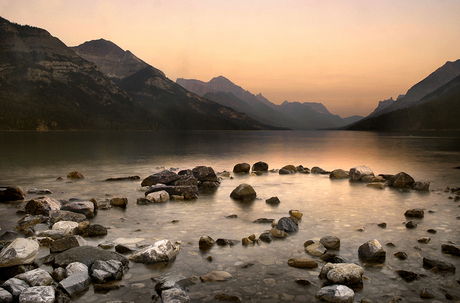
[[436, 79], [110, 58], [45, 85], [382, 105], [438, 110], [295, 115]]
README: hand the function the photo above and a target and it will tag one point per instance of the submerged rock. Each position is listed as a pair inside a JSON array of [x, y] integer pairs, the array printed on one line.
[[87, 255], [119, 201], [216, 276], [414, 213], [315, 249], [302, 263], [440, 265], [273, 201]]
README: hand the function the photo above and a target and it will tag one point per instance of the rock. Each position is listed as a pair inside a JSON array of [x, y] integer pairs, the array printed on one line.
[[129, 178], [284, 171], [174, 295], [342, 273], [292, 169], [382, 225], [244, 192], [339, 174], [15, 286], [302, 263], [273, 201], [247, 241], [59, 274], [42, 206], [158, 196], [66, 227], [13, 193], [303, 282], [266, 237], [186, 180], [205, 173], [227, 297], [36, 277], [330, 242], [276, 233], [5, 296], [30, 221], [427, 293], [216, 276], [20, 251], [411, 224], [372, 251], [421, 185], [287, 224], [103, 271], [319, 170], [37, 191], [377, 185], [401, 255], [359, 172], [303, 170], [440, 265], [85, 208], [424, 240], [205, 242], [64, 215], [401, 180], [160, 251], [260, 166], [263, 220], [87, 255], [188, 192], [295, 214], [123, 249], [164, 177], [37, 294], [224, 242], [336, 294], [315, 249], [119, 202], [333, 258], [414, 213], [75, 175], [66, 243], [76, 283], [432, 231], [407, 275], [95, 230], [450, 249], [75, 267], [241, 168]]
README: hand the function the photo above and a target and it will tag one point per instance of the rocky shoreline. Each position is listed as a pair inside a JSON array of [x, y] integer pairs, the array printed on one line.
[[62, 226]]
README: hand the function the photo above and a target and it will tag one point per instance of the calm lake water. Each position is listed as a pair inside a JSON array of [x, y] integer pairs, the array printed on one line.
[[330, 207]]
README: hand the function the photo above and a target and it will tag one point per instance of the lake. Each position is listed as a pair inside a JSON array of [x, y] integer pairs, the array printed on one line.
[[329, 207]]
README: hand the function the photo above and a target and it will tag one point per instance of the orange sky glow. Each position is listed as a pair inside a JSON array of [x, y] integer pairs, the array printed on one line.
[[347, 55]]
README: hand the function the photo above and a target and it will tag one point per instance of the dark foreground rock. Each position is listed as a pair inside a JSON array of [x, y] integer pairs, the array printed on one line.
[[260, 166], [244, 192], [372, 251], [241, 168], [439, 264], [401, 181], [287, 224], [42, 206]]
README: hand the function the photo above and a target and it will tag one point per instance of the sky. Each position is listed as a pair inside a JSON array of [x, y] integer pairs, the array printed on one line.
[[348, 55]]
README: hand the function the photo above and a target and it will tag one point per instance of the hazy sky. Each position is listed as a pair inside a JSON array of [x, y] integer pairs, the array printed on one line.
[[347, 55]]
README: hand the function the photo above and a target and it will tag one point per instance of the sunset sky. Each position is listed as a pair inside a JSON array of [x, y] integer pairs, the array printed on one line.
[[347, 55]]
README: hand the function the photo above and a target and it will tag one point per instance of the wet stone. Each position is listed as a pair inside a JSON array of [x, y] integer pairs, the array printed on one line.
[[407, 275], [401, 255], [411, 224]]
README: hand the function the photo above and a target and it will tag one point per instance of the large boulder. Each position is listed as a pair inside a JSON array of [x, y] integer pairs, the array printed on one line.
[[342, 273], [339, 174], [36, 277], [359, 172], [87, 255], [160, 251], [12, 193], [336, 294], [260, 166], [164, 177], [205, 173], [20, 251], [401, 181], [42, 206], [372, 251], [5, 296], [15, 287], [244, 192], [287, 224], [81, 207], [38, 294], [241, 168]]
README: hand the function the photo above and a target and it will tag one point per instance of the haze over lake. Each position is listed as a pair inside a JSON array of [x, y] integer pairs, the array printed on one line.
[[329, 207]]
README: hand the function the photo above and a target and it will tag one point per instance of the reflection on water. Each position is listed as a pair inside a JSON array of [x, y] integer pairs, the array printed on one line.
[[330, 207]]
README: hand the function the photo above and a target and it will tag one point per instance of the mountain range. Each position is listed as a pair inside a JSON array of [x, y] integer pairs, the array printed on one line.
[[46, 85], [431, 104], [294, 115]]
